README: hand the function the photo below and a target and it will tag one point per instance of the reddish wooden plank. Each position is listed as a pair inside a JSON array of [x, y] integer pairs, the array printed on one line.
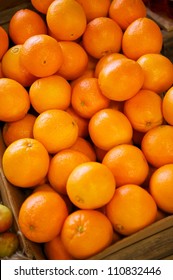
[[150, 231], [7, 4], [6, 14], [157, 246]]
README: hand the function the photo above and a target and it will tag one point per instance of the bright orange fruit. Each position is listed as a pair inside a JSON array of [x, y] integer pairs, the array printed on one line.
[[142, 36], [25, 23], [86, 181], [132, 208], [86, 233], [38, 208], [108, 128], [56, 130], [4, 42], [66, 20], [161, 189], [120, 79], [105, 31], [22, 158], [41, 55], [14, 100], [127, 163]]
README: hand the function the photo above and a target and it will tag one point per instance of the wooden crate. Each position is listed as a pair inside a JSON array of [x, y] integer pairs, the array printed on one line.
[[153, 242]]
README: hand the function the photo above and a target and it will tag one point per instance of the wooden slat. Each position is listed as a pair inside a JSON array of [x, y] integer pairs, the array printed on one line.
[[168, 44], [8, 12], [161, 19], [157, 246], [7, 4], [129, 246], [168, 258], [166, 25]]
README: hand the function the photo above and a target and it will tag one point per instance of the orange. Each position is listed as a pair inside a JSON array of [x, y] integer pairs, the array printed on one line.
[[86, 181], [140, 110], [41, 216], [95, 8], [61, 165], [102, 36], [154, 67], [14, 100], [66, 19], [85, 146], [41, 6], [47, 187], [127, 163], [167, 106], [23, 158], [81, 122], [142, 36], [125, 12], [87, 98], [108, 128], [55, 250], [102, 62], [56, 130], [4, 42], [12, 67], [161, 189], [86, 233], [121, 79], [22, 128], [41, 55], [157, 145], [132, 208], [75, 60], [24, 24], [53, 92]]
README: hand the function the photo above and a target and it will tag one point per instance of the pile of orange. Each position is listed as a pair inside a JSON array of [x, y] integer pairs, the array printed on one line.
[[87, 122]]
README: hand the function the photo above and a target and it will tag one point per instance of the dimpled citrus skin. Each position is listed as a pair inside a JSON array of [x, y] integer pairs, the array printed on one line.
[[121, 79], [14, 100], [114, 124], [61, 128], [22, 158], [86, 181], [131, 201], [86, 233], [142, 36], [37, 208], [41, 55], [66, 20]]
